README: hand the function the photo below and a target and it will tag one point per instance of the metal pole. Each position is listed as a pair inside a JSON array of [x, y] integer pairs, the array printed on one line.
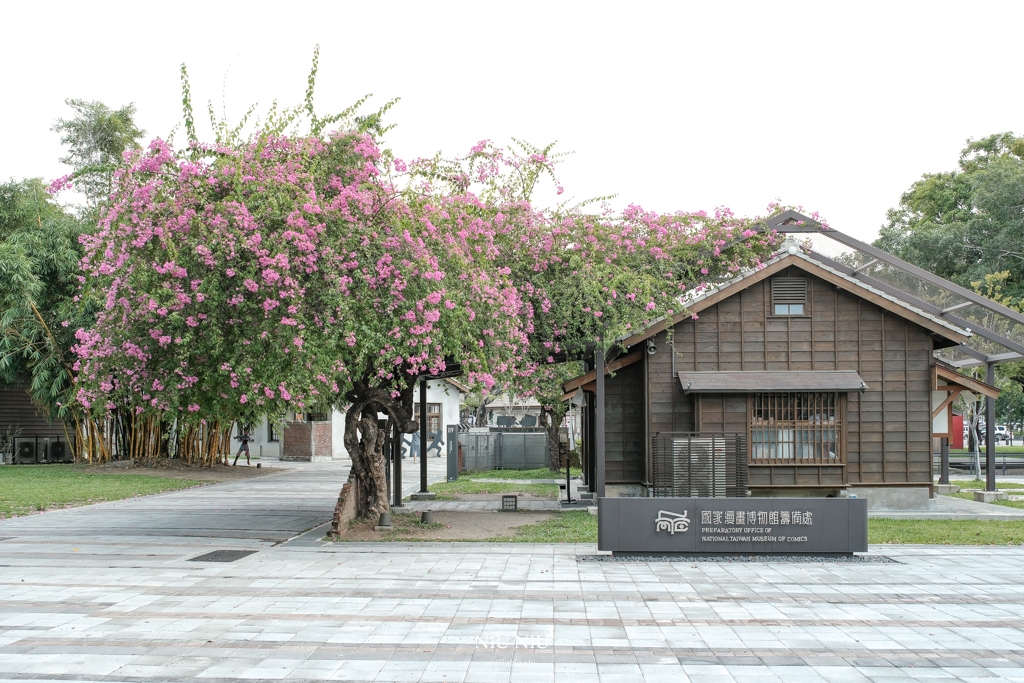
[[990, 431], [944, 459], [599, 421], [568, 484], [396, 450], [423, 435]]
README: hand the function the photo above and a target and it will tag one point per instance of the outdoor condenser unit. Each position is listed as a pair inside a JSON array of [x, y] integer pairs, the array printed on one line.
[[26, 452]]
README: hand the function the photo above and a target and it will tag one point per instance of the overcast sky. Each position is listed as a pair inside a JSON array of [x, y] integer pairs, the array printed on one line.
[[838, 107]]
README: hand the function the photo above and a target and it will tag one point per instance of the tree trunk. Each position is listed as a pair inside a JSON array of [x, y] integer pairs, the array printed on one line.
[[365, 495], [551, 421]]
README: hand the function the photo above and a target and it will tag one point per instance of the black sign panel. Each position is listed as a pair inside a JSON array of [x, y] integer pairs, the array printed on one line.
[[733, 525], [452, 443]]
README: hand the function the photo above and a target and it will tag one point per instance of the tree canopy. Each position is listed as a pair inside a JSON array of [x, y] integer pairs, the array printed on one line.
[[965, 224], [96, 137], [39, 277]]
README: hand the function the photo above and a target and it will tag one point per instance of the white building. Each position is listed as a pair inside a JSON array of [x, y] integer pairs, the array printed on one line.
[[320, 437]]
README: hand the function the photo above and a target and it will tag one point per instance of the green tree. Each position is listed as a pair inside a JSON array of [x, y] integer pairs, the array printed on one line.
[[39, 271], [969, 223], [96, 138]]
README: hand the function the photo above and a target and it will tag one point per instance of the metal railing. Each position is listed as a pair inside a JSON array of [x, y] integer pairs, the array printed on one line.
[[508, 450]]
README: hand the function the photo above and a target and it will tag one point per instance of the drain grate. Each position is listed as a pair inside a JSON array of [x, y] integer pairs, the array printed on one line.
[[223, 556]]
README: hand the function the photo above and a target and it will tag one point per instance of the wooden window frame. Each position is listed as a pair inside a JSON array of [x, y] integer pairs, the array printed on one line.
[[434, 413], [805, 305], [795, 435]]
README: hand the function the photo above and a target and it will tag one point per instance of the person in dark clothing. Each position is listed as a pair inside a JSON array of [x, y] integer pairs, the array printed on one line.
[[245, 439]]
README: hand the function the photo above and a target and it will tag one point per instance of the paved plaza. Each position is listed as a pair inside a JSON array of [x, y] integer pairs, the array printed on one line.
[[110, 593]]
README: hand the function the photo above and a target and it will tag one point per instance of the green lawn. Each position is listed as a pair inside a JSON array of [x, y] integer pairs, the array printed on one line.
[[566, 527], [543, 473], [581, 527], [1003, 485], [31, 488], [445, 490], [945, 531]]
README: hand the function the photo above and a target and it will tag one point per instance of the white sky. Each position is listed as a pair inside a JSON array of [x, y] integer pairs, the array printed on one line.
[[674, 106]]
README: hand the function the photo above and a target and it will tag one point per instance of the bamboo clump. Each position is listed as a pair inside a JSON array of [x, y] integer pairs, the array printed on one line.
[[147, 438]]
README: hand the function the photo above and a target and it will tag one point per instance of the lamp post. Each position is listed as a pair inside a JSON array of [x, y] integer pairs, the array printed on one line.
[[599, 420]]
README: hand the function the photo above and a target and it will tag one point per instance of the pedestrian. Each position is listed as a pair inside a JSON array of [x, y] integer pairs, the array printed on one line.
[[245, 439], [414, 446]]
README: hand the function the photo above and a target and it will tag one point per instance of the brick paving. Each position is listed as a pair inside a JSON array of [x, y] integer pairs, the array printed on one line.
[[107, 593]]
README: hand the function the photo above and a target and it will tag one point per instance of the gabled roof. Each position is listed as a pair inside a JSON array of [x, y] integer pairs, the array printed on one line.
[[944, 329], [997, 331]]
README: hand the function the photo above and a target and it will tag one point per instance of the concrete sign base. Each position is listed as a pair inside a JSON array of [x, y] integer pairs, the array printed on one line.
[[703, 526]]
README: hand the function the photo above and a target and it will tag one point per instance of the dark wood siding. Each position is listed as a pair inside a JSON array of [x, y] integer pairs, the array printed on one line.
[[624, 426], [887, 428], [17, 413]]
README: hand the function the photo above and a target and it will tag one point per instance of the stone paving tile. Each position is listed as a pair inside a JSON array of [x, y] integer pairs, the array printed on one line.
[[89, 596]]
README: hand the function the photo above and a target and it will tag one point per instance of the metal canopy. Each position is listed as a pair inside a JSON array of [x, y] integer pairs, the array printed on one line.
[[997, 331]]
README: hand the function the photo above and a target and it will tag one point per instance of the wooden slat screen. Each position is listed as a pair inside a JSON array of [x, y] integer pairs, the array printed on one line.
[[699, 464], [795, 428]]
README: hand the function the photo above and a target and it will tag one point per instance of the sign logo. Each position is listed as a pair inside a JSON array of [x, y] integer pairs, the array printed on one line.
[[671, 522]]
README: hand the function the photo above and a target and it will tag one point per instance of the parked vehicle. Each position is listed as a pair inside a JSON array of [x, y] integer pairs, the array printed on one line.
[[1003, 434]]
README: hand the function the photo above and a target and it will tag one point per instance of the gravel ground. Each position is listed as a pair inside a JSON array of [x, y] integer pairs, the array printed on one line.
[[814, 559]]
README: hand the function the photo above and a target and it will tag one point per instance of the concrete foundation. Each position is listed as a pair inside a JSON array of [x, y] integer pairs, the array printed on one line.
[[625, 491], [894, 497], [990, 496], [945, 489]]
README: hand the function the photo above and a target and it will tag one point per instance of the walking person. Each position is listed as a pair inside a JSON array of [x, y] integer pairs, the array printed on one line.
[[245, 439]]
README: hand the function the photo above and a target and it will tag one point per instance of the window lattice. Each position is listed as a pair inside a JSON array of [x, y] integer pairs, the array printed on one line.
[[795, 428]]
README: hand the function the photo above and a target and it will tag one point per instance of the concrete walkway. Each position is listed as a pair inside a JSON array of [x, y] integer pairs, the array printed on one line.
[[949, 507], [111, 593]]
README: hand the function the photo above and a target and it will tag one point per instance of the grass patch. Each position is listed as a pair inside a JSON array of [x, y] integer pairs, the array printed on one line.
[[566, 527], [945, 531], [25, 489], [972, 484], [447, 490], [1004, 503], [543, 473]]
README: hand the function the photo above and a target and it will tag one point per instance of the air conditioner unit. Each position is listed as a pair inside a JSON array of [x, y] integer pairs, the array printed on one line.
[[58, 452], [26, 452]]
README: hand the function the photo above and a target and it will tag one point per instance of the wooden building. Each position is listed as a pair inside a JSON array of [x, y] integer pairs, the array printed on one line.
[[26, 433], [792, 380]]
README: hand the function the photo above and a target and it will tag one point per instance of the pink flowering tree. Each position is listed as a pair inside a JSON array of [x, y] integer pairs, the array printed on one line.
[[587, 278], [277, 273]]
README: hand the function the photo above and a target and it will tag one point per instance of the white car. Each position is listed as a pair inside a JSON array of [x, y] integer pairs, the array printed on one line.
[[1003, 434]]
